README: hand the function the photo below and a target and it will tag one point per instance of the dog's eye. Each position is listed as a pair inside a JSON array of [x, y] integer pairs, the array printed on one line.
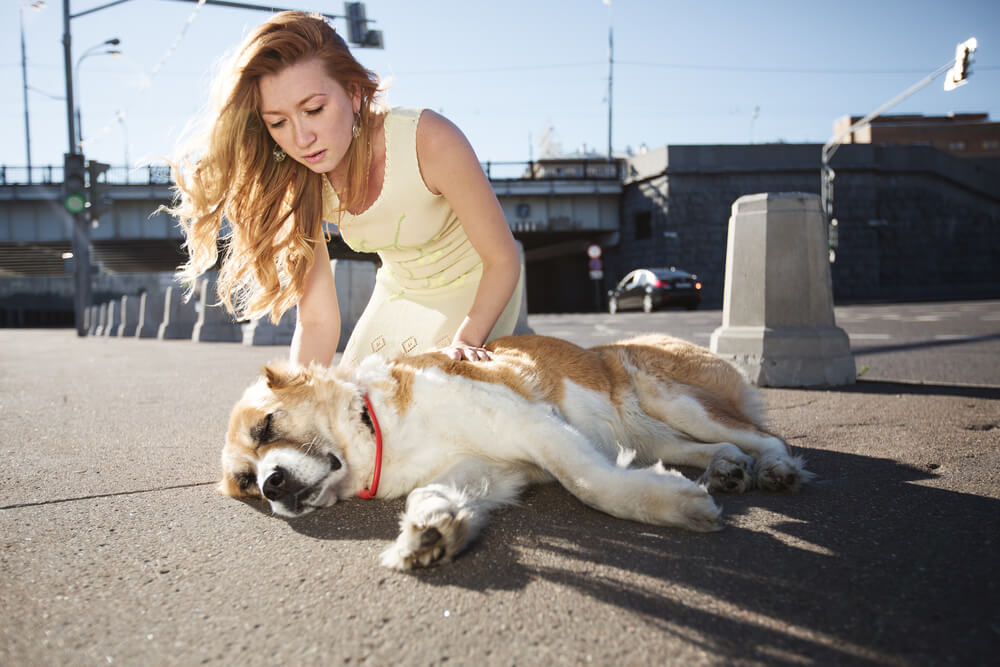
[[264, 431], [245, 480]]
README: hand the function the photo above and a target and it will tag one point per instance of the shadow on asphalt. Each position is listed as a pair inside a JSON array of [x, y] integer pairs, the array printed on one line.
[[840, 572], [883, 387], [920, 345]]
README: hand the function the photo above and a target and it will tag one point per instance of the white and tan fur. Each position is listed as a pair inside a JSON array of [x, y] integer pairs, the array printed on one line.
[[463, 438]]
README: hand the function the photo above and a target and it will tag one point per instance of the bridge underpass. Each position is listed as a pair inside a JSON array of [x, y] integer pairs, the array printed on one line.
[[554, 213]]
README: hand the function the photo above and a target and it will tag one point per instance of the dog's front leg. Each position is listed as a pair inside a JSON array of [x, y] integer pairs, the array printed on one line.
[[443, 517]]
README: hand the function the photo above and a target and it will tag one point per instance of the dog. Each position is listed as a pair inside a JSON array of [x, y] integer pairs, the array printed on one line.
[[464, 438]]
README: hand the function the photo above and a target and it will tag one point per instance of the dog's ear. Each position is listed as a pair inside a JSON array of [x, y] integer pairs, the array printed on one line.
[[280, 375]]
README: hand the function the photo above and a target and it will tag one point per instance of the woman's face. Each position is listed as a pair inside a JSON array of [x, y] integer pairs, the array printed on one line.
[[309, 115]]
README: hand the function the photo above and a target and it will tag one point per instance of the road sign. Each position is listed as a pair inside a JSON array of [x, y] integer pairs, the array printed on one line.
[[596, 275], [593, 251]]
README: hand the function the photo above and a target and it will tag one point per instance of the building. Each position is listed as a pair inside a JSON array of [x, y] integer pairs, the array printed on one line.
[[962, 135]]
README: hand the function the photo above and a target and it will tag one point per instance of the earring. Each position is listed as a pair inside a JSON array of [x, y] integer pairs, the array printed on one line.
[[279, 154], [356, 130]]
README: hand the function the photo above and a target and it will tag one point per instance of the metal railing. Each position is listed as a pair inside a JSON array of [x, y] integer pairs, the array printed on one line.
[[154, 174], [159, 174]]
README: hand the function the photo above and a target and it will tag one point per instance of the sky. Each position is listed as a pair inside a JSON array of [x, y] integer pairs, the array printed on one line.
[[519, 77]]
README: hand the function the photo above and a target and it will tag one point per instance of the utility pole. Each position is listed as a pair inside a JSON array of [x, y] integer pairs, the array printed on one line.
[[78, 222], [611, 71], [24, 89]]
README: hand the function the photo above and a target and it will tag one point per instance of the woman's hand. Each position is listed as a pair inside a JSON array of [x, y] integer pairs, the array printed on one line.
[[464, 352]]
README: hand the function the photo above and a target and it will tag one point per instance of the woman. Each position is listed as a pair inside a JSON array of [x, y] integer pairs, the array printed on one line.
[[298, 140]]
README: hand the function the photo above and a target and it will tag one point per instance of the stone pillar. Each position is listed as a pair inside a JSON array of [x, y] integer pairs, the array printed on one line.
[[150, 314], [94, 319], [214, 323], [114, 318], [178, 316], [777, 320], [522, 327], [264, 332], [130, 315], [102, 319], [355, 281]]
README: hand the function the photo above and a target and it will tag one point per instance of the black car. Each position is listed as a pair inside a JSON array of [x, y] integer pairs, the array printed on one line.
[[650, 289]]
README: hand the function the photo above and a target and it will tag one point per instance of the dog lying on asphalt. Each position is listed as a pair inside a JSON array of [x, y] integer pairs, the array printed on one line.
[[462, 438]]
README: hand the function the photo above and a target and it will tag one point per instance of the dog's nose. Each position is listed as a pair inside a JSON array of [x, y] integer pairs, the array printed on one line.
[[274, 486]]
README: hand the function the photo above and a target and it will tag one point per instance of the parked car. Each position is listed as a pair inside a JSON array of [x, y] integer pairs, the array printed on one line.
[[650, 289]]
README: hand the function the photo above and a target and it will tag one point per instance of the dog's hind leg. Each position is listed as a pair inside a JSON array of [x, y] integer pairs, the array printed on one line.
[[650, 495], [717, 430], [443, 517]]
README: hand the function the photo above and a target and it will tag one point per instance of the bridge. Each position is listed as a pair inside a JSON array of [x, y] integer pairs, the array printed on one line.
[[554, 207]]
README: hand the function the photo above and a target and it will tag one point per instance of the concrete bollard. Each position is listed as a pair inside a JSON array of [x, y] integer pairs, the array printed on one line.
[[214, 323], [777, 321], [130, 316], [114, 318], [150, 314], [102, 319], [521, 327], [178, 316], [264, 332], [93, 319]]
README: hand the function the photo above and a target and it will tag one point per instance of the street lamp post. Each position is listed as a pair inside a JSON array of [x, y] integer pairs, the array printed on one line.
[[92, 51], [960, 67]]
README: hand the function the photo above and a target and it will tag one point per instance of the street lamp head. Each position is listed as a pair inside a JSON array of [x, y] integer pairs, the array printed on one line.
[[114, 41]]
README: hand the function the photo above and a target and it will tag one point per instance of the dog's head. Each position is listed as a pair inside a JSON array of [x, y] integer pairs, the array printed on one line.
[[289, 439]]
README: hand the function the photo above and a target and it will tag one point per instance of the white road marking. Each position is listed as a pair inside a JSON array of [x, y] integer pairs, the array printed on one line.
[[869, 336]]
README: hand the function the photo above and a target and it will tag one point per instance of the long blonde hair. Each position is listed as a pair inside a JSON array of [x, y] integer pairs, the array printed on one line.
[[273, 208]]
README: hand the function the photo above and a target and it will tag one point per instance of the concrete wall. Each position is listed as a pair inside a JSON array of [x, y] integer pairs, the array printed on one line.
[[914, 222]]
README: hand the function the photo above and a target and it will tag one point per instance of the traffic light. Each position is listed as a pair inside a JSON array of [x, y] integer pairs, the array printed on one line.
[[959, 73], [97, 199], [357, 27], [74, 185]]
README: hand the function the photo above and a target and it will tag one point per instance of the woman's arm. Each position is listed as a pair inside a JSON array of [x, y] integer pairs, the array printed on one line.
[[450, 167], [317, 324]]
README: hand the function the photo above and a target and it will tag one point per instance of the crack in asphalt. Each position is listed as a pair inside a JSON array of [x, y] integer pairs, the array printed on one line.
[[103, 495]]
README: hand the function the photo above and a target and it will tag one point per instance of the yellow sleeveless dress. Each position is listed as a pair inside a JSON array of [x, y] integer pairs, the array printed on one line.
[[430, 272]]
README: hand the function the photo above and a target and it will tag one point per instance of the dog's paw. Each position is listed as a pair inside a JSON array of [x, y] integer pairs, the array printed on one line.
[[781, 473], [682, 503], [435, 539], [701, 514], [729, 472]]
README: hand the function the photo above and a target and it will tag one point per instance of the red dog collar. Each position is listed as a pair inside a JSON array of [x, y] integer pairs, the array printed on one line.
[[373, 489]]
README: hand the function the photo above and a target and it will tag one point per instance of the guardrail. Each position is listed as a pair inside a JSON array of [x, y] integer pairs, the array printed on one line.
[[154, 174], [159, 174]]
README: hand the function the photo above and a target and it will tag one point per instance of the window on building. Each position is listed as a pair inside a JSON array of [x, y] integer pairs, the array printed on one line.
[[956, 145], [643, 225], [991, 144]]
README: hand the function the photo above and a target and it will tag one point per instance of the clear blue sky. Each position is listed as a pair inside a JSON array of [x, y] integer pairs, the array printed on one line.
[[505, 72]]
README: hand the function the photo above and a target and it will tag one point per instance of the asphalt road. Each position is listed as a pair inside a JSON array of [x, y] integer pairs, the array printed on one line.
[[950, 342], [114, 548]]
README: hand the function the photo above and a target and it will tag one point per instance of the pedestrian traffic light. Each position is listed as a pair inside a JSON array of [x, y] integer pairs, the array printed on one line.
[[959, 73], [97, 191], [357, 27], [74, 186]]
